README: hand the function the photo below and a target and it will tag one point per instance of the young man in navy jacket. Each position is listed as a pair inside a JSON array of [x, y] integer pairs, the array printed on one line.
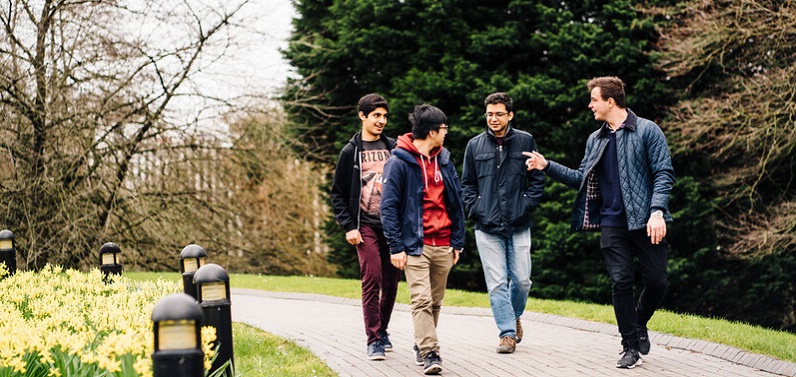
[[421, 210]]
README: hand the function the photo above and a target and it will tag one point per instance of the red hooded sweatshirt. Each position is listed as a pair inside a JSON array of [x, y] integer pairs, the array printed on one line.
[[436, 223]]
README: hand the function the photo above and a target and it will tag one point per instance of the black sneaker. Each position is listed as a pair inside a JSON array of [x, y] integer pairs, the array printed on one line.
[[432, 364], [376, 351], [630, 359], [385, 340], [643, 341], [418, 357]]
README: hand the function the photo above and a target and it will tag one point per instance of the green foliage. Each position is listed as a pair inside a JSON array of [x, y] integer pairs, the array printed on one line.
[[579, 271], [452, 54]]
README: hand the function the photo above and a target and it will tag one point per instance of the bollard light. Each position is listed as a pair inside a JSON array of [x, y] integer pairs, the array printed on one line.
[[177, 321], [192, 257], [212, 287], [8, 253], [109, 259]]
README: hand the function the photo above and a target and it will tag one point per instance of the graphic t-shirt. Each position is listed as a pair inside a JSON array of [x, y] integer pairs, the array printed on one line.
[[373, 156]]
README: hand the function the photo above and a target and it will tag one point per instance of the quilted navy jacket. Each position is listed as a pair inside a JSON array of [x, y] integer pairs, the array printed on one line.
[[402, 202], [646, 174]]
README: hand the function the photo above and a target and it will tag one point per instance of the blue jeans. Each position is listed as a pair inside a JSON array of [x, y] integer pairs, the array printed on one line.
[[507, 270]]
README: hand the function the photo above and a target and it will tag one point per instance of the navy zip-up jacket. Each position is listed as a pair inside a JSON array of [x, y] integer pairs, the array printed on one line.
[[402, 202], [347, 182], [646, 175], [499, 191]]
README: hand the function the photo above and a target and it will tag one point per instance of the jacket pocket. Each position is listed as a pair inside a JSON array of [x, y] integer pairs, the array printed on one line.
[[485, 165]]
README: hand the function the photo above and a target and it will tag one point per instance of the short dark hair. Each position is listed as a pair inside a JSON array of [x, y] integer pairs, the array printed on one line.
[[426, 118], [370, 102], [499, 97], [610, 87]]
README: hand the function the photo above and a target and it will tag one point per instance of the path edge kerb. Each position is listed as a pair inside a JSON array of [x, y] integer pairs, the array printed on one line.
[[762, 362]]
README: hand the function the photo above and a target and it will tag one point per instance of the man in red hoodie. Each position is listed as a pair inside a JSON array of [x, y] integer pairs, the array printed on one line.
[[423, 219]]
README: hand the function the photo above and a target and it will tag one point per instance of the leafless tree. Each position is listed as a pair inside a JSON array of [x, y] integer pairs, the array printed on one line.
[[738, 114], [95, 94]]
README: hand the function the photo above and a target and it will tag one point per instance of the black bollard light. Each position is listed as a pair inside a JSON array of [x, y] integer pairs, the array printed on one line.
[[192, 257], [109, 257], [177, 321], [212, 287], [8, 254]]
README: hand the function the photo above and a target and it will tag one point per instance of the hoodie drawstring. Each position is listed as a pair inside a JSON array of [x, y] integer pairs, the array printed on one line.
[[437, 172]]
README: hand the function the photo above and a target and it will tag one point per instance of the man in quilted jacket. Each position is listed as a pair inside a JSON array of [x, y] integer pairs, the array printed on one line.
[[623, 183]]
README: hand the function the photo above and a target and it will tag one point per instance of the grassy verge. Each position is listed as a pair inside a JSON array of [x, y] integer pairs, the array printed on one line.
[[779, 344], [260, 354]]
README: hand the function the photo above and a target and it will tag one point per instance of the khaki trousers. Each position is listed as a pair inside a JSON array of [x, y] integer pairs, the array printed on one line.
[[427, 276]]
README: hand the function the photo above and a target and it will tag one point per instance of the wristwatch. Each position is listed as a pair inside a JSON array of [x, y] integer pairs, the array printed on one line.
[[657, 213]]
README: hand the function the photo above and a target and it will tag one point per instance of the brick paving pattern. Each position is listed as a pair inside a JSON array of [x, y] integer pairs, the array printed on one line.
[[552, 346]]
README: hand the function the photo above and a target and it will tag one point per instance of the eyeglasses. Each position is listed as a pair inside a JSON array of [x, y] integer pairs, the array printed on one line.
[[444, 127], [498, 115]]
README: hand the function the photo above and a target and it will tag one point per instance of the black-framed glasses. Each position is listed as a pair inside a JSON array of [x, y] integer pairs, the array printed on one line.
[[498, 114]]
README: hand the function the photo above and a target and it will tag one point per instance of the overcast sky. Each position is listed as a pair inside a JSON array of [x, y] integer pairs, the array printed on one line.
[[253, 67], [265, 63]]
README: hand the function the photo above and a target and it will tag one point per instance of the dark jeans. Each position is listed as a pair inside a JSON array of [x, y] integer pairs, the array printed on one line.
[[620, 247], [379, 281]]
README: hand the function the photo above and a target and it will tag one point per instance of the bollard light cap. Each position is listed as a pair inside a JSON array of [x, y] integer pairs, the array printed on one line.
[[6, 234], [193, 251], [110, 247], [210, 273], [175, 307]]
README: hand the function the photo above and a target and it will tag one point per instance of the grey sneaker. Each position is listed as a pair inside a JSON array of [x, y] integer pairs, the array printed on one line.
[[418, 357], [643, 341], [385, 340], [630, 359], [376, 351], [432, 363]]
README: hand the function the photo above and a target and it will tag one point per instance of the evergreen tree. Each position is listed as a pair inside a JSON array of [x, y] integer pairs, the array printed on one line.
[[453, 53]]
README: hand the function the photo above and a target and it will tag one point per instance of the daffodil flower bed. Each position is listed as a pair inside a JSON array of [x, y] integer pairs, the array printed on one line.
[[67, 323]]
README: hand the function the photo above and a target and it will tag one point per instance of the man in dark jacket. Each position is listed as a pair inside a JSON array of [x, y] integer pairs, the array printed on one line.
[[623, 183], [500, 194], [356, 194], [421, 210]]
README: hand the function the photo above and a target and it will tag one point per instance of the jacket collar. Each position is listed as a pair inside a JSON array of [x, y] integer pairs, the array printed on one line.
[[509, 132], [629, 124]]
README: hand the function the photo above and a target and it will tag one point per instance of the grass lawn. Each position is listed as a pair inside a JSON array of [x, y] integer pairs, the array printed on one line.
[[779, 344], [258, 353]]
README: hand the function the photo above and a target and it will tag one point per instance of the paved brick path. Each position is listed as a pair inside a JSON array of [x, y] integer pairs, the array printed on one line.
[[553, 346]]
